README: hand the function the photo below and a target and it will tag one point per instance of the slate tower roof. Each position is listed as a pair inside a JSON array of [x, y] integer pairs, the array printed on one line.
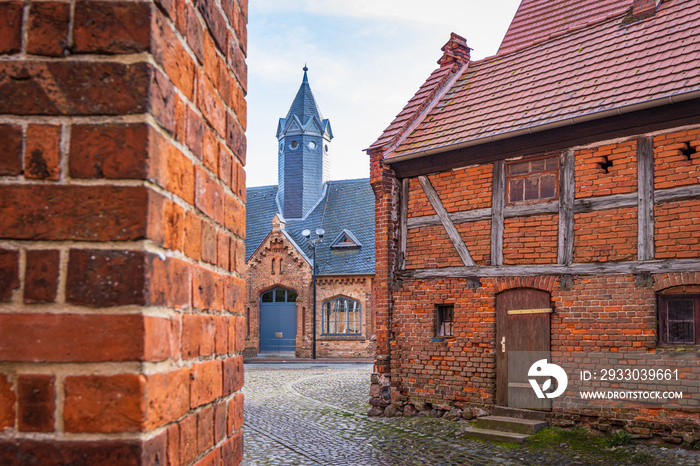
[[303, 165]]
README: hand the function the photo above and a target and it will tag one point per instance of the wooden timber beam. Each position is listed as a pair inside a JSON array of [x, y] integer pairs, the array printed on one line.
[[450, 228], [645, 199], [594, 268], [583, 205]]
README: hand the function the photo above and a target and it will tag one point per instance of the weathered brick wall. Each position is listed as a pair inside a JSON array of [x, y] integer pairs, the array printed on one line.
[[464, 189], [530, 240], [672, 168], [597, 314], [677, 230], [605, 170], [121, 231], [607, 235]]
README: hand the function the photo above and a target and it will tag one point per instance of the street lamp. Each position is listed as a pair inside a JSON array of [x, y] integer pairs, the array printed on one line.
[[313, 242]]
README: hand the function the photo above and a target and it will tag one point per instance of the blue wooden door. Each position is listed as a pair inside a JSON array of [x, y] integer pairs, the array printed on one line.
[[278, 326]]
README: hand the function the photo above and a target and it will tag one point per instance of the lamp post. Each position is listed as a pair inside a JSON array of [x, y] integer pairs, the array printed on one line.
[[313, 242]]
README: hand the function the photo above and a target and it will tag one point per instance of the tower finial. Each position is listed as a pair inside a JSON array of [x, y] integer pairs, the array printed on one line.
[[306, 79]]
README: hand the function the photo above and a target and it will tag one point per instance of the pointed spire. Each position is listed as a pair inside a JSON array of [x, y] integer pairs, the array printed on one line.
[[304, 104]]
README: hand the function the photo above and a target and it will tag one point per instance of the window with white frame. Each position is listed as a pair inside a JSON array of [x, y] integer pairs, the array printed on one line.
[[341, 316]]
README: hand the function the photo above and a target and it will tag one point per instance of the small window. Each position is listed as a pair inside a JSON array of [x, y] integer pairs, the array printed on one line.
[[294, 144], [341, 316], [279, 295], [679, 319], [445, 320], [345, 240], [532, 180]]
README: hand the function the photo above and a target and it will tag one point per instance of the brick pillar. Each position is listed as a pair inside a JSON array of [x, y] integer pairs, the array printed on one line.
[[386, 195], [122, 218]]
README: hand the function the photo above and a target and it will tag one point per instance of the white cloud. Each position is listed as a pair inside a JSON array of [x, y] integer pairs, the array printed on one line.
[[366, 59]]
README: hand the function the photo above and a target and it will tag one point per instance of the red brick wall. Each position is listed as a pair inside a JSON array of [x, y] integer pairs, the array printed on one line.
[[464, 189], [429, 247], [621, 176], [121, 231], [530, 240], [606, 235], [671, 167], [677, 229]]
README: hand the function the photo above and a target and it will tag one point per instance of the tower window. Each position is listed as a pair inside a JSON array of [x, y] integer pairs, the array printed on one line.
[[294, 145], [312, 145]]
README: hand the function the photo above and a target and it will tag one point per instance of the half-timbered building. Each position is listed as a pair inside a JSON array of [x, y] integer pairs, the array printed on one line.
[[545, 199]]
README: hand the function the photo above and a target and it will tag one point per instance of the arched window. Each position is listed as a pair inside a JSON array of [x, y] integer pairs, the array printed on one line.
[[279, 295], [341, 316]]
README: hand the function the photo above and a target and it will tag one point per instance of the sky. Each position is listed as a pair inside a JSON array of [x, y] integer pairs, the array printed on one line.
[[366, 59]]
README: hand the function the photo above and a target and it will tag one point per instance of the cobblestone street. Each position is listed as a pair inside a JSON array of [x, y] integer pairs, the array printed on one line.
[[314, 414]]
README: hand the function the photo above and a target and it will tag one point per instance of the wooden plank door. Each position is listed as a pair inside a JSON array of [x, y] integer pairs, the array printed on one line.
[[525, 328]]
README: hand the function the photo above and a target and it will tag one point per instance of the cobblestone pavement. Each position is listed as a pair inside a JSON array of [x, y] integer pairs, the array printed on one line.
[[313, 414]]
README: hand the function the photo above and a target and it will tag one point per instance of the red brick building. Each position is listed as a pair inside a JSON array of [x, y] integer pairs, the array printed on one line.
[[122, 197], [545, 199], [280, 257]]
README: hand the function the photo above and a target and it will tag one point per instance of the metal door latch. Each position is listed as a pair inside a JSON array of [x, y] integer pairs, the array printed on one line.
[[503, 345]]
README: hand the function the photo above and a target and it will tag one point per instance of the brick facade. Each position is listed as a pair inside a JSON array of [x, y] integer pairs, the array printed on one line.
[[605, 310], [292, 270], [122, 216]]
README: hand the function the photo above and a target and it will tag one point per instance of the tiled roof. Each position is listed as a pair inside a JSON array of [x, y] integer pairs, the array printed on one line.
[[601, 67], [538, 20], [347, 204]]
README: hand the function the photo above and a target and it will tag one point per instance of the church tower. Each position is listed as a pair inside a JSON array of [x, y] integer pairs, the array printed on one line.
[[303, 165]]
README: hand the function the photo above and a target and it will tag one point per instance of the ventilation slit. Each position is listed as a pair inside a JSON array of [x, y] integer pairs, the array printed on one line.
[[689, 151], [606, 164]]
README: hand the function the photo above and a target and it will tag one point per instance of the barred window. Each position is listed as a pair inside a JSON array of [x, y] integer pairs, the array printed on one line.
[[341, 316], [445, 320], [679, 319]]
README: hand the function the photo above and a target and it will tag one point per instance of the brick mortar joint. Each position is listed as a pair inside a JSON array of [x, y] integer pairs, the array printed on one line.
[[193, 57]]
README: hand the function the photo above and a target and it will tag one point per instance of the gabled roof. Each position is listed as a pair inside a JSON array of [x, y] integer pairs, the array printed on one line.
[[347, 205], [598, 69]]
